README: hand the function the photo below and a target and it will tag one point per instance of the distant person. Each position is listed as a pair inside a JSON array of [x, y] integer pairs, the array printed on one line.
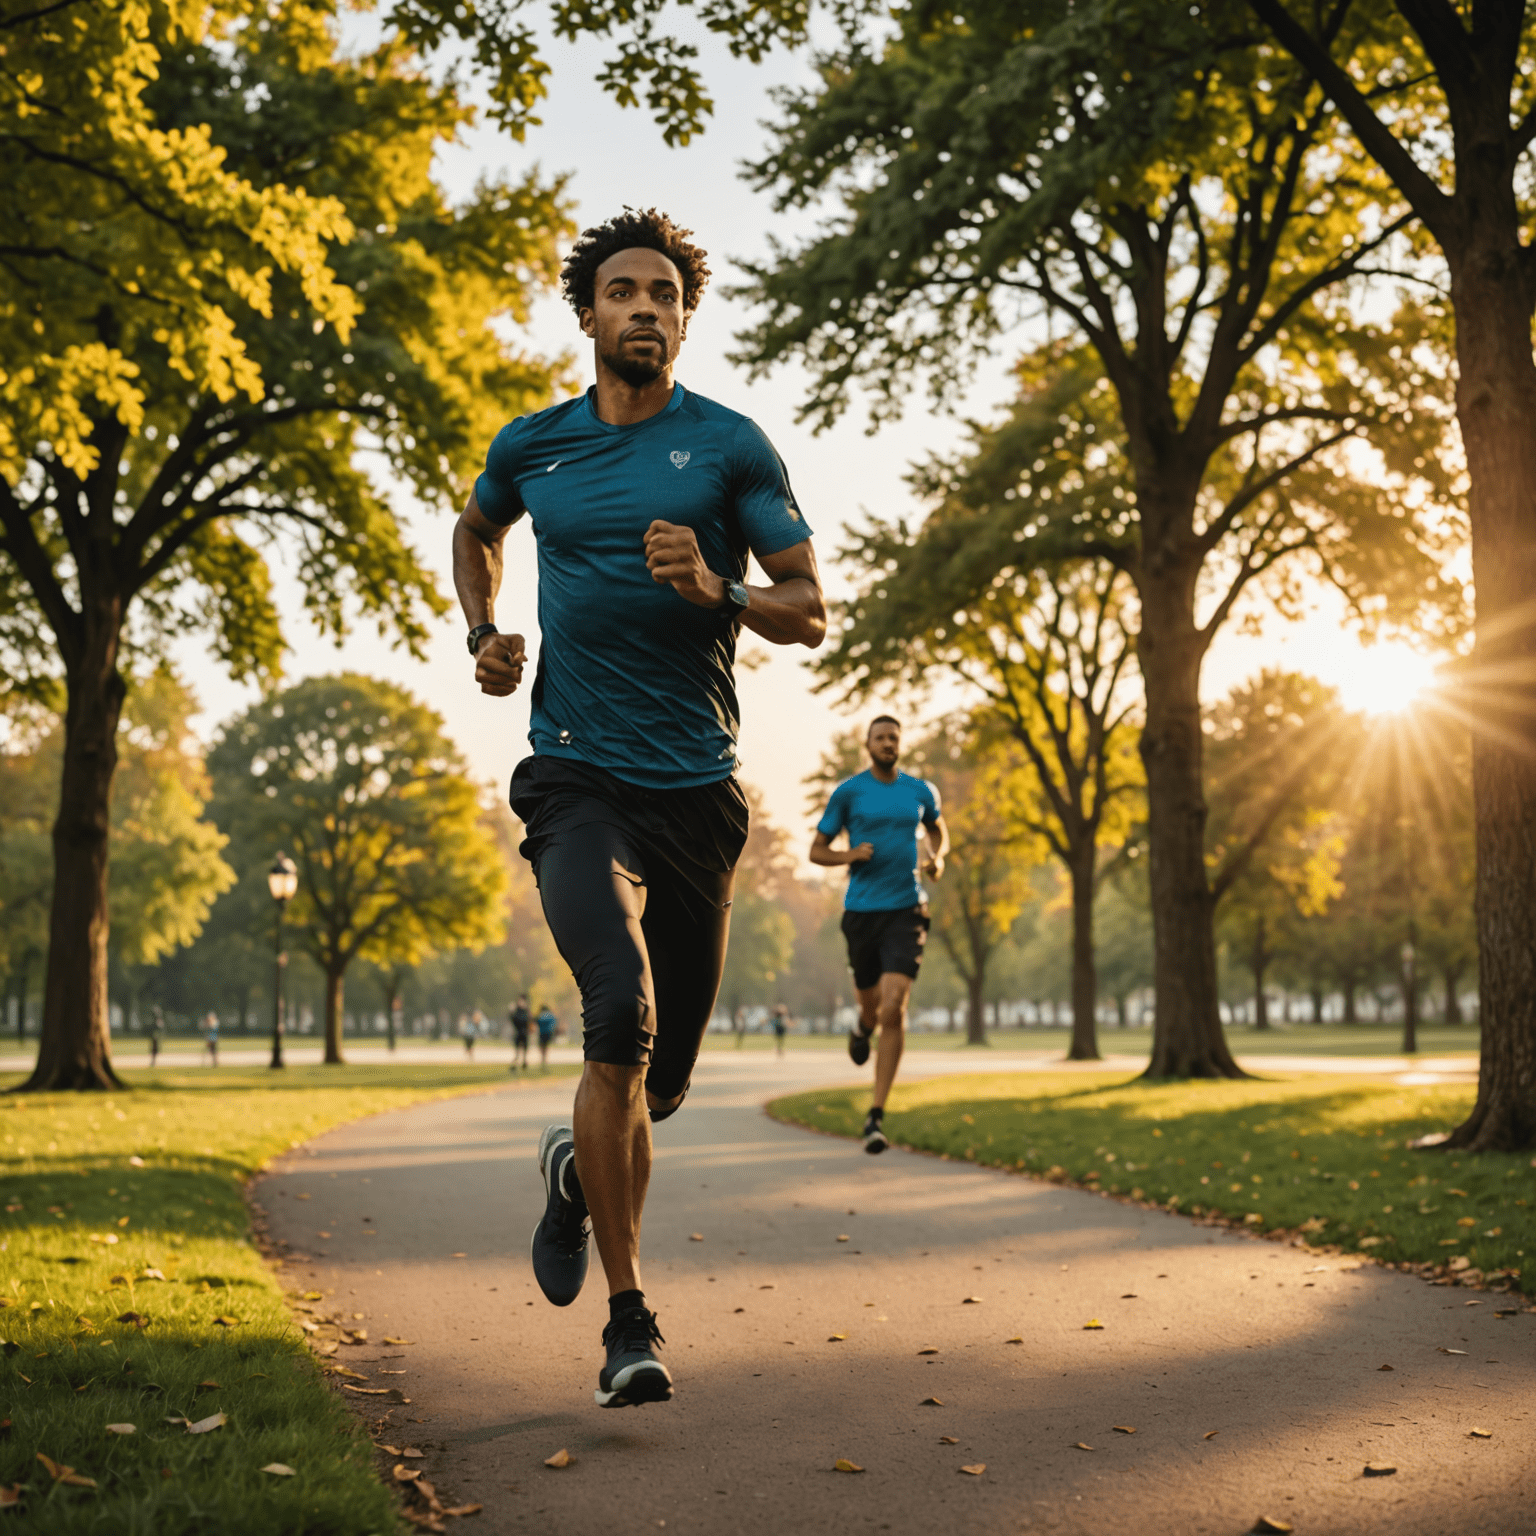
[[886, 911], [739, 1026], [548, 1024], [780, 1028], [212, 1038], [156, 1024], [520, 1019]]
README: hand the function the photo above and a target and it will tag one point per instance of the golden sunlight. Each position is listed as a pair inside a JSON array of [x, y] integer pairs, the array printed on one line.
[[1385, 678]]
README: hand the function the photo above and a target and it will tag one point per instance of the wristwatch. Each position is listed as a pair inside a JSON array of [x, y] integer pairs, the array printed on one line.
[[477, 634], [737, 599]]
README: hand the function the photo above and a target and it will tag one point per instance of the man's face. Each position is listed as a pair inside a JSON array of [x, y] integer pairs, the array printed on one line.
[[885, 744], [637, 315]]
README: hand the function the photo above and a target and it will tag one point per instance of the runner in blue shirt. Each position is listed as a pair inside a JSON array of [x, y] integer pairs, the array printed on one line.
[[645, 501], [886, 917]]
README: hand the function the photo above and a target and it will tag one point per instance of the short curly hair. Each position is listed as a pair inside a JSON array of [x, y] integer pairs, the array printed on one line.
[[645, 229]]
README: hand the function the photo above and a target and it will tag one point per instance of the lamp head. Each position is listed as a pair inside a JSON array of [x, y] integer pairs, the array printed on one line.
[[283, 878]]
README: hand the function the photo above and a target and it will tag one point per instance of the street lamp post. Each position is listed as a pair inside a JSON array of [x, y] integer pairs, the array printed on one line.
[[1410, 1001], [282, 881]]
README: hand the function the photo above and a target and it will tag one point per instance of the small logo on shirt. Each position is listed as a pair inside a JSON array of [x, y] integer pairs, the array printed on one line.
[[679, 459]]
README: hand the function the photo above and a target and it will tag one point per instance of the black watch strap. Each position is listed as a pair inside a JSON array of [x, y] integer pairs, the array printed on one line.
[[478, 633]]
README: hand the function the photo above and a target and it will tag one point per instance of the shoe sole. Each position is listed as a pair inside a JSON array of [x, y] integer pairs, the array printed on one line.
[[552, 1137], [875, 1143], [647, 1382]]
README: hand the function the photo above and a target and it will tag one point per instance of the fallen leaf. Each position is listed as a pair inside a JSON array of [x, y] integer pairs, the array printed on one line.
[[1210, 1434], [948, 1440], [695, 1237], [975, 1469], [770, 1286], [464, 1509], [73, 1479], [10, 1497], [135, 1162], [1077, 1445], [971, 1301], [842, 1464], [1481, 1434], [458, 1255], [1444, 1351], [411, 1451], [176, 1418], [389, 1340], [1123, 1429], [842, 1237], [223, 1320], [741, 1309], [1266, 1524], [390, 1450], [1380, 1468], [561, 1458], [836, 1338], [213, 1421], [356, 1336], [136, 1318], [277, 1469], [208, 1386], [927, 1351], [1092, 1322], [347, 1386], [122, 1429], [1016, 1339], [1130, 1296], [930, 1402], [345, 1370], [51, 1467], [1386, 1367], [405, 1474]]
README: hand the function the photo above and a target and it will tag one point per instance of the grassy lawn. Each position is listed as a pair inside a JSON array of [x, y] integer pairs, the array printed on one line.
[[132, 1295], [1286, 1040], [1314, 1154]]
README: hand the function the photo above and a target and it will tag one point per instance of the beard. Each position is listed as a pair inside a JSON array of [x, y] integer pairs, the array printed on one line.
[[637, 372]]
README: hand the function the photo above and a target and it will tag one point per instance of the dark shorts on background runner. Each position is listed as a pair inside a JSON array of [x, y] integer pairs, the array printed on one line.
[[636, 886], [882, 942]]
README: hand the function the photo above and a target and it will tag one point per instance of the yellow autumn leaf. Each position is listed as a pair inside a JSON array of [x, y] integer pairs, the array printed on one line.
[[561, 1458], [842, 1464]]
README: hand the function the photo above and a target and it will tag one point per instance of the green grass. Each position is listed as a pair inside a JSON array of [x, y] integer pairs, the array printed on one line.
[[1312, 1154], [80, 1227], [1285, 1040]]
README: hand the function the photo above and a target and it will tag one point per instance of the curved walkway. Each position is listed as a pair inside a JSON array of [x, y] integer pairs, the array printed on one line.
[[1251, 1372]]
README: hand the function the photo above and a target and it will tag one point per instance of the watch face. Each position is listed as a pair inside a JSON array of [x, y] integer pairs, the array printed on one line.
[[738, 595]]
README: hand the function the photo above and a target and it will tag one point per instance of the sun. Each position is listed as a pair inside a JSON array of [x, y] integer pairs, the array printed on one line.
[[1385, 679]]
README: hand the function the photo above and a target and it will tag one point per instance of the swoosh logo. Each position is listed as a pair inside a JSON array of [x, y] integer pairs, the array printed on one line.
[[553, 467]]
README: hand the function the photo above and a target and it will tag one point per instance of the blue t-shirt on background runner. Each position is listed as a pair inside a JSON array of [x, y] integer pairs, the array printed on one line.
[[887, 815], [631, 677]]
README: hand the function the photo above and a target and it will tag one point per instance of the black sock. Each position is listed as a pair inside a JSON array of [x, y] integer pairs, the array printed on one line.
[[624, 1301], [877, 1112]]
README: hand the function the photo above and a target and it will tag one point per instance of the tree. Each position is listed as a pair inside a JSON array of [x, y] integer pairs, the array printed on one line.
[[356, 781], [1188, 210], [762, 940], [1048, 651], [1461, 76], [231, 273]]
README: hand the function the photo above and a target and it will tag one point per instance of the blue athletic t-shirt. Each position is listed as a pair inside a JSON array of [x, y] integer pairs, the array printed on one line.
[[631, 677], [887, 815]]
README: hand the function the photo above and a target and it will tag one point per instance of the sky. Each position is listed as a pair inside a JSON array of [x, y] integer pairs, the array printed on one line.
[[616, 157]]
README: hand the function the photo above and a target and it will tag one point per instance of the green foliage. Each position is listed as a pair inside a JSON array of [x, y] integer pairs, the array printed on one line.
[[762, 943], [356, 781], [1307, 1154], [200, 1136]]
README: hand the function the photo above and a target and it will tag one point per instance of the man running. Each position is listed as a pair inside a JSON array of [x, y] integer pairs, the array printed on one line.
[[645, 500], [519, 1018], [885, 920]]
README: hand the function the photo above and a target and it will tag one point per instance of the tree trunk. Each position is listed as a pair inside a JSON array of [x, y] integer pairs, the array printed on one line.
[[1348, 989], [1085, 983], [391, 1002], [74, 1051], [1453, 995], [1120, 1016], [1187, 1039], [1258, 963], [975, 1018], [1317, 1004], [335, 996], [1496, 409]]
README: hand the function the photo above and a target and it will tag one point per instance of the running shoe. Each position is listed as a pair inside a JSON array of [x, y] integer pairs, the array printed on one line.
[[874, 1134], [560, 1251], [633, 1374], [858, 1046]]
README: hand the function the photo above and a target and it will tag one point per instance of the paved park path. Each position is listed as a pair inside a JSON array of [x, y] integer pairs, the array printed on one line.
[[1276, 1351]]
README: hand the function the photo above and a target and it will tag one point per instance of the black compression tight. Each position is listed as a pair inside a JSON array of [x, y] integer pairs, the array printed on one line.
[[647, 953]]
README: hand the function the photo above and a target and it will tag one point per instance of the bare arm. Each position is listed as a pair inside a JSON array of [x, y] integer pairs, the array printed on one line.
[[938, 847], [477, 579], [822, 852], [789, 612]]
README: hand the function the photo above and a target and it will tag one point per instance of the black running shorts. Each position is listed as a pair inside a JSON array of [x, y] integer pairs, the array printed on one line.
[[882, 942], [636, 886]]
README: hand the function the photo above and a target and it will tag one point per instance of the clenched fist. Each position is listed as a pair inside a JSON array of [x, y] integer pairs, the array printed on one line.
[[499, 664]]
